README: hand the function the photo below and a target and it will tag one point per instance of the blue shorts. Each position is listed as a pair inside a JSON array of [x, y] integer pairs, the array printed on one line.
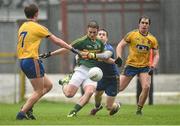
[[109, 85], [132, 71], [32, 68]]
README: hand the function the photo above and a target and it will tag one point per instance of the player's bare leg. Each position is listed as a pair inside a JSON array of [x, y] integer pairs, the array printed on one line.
[[69, 90], [41, 86], [88, 92], [124, 81], [111, 105], [145, 80]]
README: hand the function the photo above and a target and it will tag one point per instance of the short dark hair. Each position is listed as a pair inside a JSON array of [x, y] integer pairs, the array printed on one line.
[[102, 29], [93, 24], [145, 17], [31, 10]]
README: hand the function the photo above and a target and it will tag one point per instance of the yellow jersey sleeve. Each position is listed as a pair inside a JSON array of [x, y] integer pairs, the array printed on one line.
[[128, 36], [30, 35], [43, 31], [155, 43]]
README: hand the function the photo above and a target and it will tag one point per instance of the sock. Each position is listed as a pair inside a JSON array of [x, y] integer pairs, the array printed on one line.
[[139, 108], [97, 105], [77, 108]]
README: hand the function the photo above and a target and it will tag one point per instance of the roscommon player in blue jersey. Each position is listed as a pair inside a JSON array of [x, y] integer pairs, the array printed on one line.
[[109, 82]]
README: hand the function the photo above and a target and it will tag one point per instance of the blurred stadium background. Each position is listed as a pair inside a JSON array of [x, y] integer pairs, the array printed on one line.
[[68, 20]]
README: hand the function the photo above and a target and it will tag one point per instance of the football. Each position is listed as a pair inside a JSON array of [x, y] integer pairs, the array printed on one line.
[[95, 74]]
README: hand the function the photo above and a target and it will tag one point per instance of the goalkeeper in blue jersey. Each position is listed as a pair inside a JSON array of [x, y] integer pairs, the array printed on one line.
[[109, 82]]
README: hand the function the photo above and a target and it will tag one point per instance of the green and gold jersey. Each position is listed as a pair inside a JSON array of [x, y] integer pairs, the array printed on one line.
[[85, 44], [139, 48]]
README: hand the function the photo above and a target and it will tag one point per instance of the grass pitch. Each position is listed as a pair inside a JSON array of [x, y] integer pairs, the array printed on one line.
[[55, 113]]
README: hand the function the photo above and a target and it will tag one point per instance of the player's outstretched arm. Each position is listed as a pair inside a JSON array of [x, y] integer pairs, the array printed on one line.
[[59, 42], [45, 55], [53, 53], [90, 55], [63, 44], [110, 61]]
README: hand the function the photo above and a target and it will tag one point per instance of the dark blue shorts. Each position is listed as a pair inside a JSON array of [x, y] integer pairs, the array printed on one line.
[[132, 71], [109, 85], [32, 68]]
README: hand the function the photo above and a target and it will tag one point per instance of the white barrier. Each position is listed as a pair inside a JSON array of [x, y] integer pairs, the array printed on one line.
[[166, 91]]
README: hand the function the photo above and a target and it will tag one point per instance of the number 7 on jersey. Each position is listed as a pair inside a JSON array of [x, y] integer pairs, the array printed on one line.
[[23, 34]]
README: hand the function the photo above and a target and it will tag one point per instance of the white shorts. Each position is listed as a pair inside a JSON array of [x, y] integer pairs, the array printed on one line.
[[80, 77]]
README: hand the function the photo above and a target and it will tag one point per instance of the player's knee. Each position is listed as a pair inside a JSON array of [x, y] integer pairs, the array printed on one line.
[[39, 93], [89, 92], [49, 87], [146, 87], [69, 94], [121, 88]]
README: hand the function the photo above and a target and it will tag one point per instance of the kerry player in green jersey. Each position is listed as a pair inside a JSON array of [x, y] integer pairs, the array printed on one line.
[[90, 44]]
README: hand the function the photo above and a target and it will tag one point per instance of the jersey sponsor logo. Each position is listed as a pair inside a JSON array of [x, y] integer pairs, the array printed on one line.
[[142, 48]]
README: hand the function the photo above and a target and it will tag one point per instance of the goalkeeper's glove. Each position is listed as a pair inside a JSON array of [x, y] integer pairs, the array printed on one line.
[[151, 70], [76, 51], [45, 55], [118, 61]]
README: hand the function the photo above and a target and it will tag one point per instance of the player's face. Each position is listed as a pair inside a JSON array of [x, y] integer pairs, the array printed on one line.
[[102, 35], [144, 25], [92, 33]]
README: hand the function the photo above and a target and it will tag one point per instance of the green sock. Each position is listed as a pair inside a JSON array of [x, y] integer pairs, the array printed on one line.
[[77, 108], [97, 105], [139, 108]]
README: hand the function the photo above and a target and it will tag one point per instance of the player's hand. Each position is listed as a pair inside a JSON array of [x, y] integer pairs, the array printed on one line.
[[84, 54], [118, 61], [91, 55], [76, 51], [88, 55], [45, 55], [151, 70]]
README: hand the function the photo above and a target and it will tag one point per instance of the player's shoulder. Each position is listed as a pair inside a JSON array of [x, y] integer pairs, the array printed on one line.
[[108, 46], [80, 39], [34, 25], [99, 41], [39, 25], [132, 32], [152, 37], [83, 38]]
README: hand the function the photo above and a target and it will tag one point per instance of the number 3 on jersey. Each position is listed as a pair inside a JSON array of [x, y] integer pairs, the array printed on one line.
[[23, 34]]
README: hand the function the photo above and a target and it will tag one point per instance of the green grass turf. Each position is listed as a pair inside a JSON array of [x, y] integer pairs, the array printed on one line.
[[55, 113]]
